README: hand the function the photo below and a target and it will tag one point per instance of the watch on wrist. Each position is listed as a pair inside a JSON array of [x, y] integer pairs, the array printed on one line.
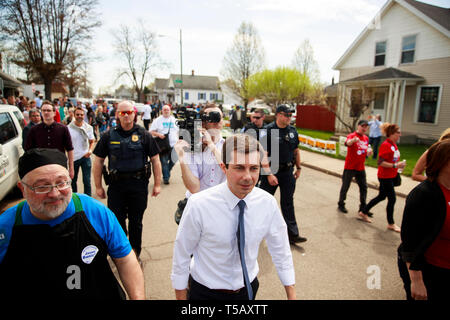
[[299, 168]]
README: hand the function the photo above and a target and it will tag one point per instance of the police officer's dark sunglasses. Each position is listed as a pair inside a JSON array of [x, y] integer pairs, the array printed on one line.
[[122, 113]]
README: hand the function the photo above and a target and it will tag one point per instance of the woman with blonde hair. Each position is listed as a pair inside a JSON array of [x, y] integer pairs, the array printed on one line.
[[421, 164], [100, 118], [388, 165]]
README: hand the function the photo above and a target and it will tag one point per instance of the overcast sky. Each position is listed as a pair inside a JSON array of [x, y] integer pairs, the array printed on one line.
[[209, 26]]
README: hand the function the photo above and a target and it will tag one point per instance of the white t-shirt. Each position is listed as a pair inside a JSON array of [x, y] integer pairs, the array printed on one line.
[[162, 125], [79, 142], [147, 112]]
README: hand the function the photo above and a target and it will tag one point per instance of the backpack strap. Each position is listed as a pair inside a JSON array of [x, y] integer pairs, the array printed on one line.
[[19, 221], [19, 208], [77, 203]]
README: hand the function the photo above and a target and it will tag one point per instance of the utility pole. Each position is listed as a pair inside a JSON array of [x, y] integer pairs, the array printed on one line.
[[181, 67]]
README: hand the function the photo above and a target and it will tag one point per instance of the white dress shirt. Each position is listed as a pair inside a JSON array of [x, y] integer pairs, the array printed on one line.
[[204, 166], [208, 231]]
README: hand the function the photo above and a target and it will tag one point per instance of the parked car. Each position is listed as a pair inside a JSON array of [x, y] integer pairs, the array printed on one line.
[[139, 106], [260, 104], [11, 124]]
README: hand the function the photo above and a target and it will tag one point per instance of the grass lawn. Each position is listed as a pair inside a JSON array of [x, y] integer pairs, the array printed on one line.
[[409, 152]]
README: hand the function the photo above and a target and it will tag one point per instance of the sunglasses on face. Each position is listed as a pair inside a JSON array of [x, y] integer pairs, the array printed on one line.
[[123, 113], [288, 115], [256, 118]]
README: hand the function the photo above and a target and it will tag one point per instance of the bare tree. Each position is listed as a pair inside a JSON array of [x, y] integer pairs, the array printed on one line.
[[304, 62], [355, 106], [43, 31], [74, 72], [244, 58], [138, 49]]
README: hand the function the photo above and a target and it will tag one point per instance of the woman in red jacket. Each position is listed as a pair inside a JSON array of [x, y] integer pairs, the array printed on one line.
[[388, 164]]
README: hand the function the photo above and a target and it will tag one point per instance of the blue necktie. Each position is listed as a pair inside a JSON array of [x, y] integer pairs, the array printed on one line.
[[241, 245]]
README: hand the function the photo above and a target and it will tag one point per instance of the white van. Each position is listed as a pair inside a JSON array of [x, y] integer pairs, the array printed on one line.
[[11, 125]]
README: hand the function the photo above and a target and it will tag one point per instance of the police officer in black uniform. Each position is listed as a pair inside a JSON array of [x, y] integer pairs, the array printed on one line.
[[256, 124], [284, 166], [256, 129], [128, 147]]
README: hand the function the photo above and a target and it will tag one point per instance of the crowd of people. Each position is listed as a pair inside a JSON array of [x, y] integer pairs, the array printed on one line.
[[228, 207]]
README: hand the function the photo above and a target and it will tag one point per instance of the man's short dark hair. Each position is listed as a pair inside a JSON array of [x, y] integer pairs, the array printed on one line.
[[49, 103], [242, 143], [79, 109]]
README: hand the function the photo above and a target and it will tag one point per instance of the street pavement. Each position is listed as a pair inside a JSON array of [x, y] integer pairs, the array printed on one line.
[[344, 258]]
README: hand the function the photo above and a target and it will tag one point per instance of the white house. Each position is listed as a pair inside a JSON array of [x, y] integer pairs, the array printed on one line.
[[196, 89], [402, 60]]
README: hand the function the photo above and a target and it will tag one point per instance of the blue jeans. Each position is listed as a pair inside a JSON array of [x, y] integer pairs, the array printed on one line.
[[85, 164], [374, 142], [166, 164]]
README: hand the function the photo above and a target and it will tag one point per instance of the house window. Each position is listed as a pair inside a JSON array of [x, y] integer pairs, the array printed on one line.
[[186, 96], [408, 49], [380, 53], [428, 104], [202, 96], [213, 96]]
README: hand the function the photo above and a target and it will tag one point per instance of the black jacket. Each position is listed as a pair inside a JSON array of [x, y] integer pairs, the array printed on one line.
[[423, 218]]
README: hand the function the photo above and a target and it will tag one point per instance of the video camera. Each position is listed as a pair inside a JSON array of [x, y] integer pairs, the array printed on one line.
[[190, 120]]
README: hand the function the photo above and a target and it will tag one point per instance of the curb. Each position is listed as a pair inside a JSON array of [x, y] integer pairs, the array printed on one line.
[[332, 173]]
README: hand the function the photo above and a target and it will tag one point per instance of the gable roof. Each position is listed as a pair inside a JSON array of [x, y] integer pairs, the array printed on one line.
[[437, 14], [386, 74], [9, 81], [437, 17], [195, 82], [161, 83]]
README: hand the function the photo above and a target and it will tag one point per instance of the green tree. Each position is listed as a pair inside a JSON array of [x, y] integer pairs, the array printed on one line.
[[282, 85]]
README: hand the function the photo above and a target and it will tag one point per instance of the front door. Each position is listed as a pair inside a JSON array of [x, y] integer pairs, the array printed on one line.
[[379, 104]]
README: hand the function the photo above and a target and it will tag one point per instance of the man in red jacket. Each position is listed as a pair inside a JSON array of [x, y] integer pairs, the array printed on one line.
[[357, 149]]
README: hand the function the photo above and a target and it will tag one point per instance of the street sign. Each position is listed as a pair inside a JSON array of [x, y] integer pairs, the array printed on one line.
[[178, 81]]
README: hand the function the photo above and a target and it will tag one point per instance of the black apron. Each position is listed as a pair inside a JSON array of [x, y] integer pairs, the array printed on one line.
[[57, 262]]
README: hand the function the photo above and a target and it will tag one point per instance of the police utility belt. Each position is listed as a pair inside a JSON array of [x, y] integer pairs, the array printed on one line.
[[285, 166], [115, 176]]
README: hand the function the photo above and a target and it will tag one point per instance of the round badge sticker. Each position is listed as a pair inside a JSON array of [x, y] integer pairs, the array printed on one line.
[[392, 148], [88, 254]]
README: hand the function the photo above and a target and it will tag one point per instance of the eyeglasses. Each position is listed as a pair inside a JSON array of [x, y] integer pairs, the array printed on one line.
[[288, 115], [123, 113], [256, 118], [47, 110], [48, 188]]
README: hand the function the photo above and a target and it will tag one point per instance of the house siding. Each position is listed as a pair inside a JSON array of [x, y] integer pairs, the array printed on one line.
[[436, 73], [394, 25], [432, 62]]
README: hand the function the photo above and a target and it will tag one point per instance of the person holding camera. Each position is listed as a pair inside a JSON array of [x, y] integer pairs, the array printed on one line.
[[201, 170], [128, 147], [165, 131]]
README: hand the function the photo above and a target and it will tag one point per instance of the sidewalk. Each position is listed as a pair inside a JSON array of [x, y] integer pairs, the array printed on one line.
[[335, 167]]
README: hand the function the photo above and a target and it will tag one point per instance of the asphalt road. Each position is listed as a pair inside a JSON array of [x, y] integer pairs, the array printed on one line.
[[344, 258]]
